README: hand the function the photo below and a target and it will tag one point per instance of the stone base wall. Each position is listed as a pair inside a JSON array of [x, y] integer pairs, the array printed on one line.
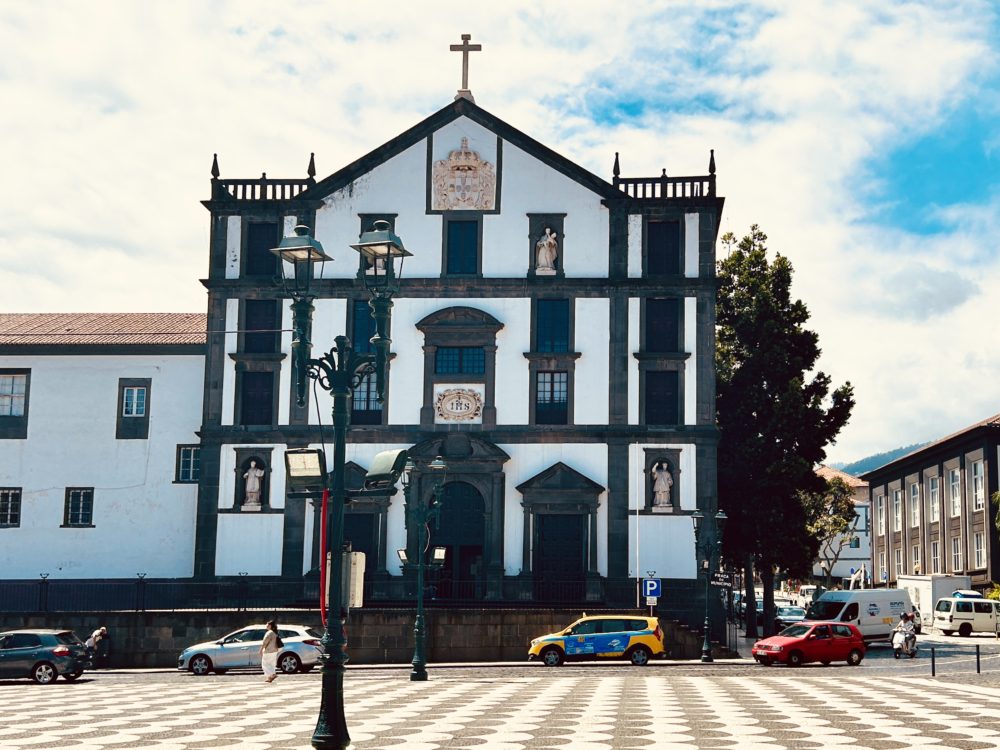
[[375, 636]]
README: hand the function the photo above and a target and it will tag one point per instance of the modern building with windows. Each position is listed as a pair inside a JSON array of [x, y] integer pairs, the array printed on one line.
[[855, 546], [932, 512], [99, 453]]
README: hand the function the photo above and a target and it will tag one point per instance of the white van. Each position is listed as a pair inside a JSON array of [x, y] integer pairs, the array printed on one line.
[[966, 615], [874, 611], [804, 596]]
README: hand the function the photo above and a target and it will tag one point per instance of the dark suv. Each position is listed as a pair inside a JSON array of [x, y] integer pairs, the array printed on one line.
[[42, 655]]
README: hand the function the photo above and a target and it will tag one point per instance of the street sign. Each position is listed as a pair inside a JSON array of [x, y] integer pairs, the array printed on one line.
[[650, 601], [722, 579], [652, 587]]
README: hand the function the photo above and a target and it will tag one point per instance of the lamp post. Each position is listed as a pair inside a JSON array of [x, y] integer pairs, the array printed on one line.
[[708, 549], [339, 371], [419, 513]]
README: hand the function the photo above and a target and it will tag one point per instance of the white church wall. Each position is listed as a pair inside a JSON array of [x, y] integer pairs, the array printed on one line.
[[665, 545], [285, 368], [593, 320], [228, 365], [691, 364], [527, 460], [691, 245], [633, 363], [142, 520], [635, 246], [234, 229], [249, 543], [329, 321]]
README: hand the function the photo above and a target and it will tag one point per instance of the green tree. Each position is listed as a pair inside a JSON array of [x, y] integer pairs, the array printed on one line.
[[775, 415], [832, 521]]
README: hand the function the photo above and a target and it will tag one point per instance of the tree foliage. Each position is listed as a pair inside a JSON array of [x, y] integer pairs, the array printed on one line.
[[832, 520], [776, 415]]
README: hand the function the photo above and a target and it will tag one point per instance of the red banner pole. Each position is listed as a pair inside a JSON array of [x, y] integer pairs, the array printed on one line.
[[322, 557]]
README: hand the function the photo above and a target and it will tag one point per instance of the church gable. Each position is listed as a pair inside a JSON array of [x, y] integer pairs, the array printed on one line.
[[562, 479]]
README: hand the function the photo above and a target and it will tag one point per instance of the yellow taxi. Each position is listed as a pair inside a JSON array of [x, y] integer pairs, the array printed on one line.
[[633, 637]]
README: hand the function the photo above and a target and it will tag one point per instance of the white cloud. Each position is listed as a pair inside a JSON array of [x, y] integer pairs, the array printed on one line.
[[114, 109]]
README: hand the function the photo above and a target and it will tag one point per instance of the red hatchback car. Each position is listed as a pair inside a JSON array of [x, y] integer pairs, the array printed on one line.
[[824, 642]]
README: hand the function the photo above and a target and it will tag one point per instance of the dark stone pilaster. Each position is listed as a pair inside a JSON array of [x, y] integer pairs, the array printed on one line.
[[206, 521], [293, 537], [618, 485]]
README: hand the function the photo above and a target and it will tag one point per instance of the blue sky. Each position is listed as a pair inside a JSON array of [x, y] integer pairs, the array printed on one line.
[[862, 136]]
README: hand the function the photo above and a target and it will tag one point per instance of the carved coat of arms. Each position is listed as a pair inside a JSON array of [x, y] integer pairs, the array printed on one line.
[[463, 181]]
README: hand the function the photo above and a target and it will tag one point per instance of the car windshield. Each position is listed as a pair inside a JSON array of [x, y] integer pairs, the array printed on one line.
[[943, 606], [793, 631], [791, 612], [824, 610]]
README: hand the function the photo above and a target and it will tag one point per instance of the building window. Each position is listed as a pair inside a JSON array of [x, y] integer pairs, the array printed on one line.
[[882, 570], [256, 398], [898, 557], [262, 236], [468, 360], [260, 326], [362, 326], [978, 486], [662, 397], [935, 557], [956, 554], [663, 325], [365, 406], [897, 510], [880, 512], [955, 492], [133, 408], [134, 402], [914, 505], [915, 558], [462, 247], [855, 542], [188, 464], [552, 325], [979, 545], [14, 386], [10, 506], [551, 399], [935, 499], [79, 507], [663, 248]]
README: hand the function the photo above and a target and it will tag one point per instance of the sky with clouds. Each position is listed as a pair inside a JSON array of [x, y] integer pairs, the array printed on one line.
[[863, 137]]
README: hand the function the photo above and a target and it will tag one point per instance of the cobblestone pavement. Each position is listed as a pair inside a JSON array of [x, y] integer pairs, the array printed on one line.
[[574, 708]]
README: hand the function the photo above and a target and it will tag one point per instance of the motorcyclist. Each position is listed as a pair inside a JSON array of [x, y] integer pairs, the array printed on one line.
[[906, 627]]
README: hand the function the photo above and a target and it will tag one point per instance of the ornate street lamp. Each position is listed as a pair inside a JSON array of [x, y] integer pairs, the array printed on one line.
[[420, 513], [339, 371], [707, 550]]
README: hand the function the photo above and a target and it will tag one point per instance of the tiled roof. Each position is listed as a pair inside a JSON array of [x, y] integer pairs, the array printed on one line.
[[101, 329], [829, 473]]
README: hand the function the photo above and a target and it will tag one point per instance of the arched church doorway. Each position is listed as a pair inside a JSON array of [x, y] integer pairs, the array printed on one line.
[[461, 529]]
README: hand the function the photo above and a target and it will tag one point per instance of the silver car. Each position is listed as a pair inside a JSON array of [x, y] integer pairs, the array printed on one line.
[[241, 649]]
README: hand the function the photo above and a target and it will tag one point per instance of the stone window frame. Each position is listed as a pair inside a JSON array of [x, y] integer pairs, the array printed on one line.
[[133, 427], [553, 361], [256, 363], [244, 454], [652, 456], [536, 228], [658, 363], [659, 215], [446, 218], [478, 328], [681, 317], [264, 218], [351, 313], [11, 427], [13, 507], [178, 479], [66, 509], [243, 330]]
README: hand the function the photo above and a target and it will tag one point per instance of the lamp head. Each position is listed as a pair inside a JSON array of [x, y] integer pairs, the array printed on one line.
[[401, 554], [380, 246], [696, 518], [301, 250]]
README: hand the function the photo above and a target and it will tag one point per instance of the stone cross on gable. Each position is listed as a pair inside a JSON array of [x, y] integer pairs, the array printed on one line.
[[465, 48]]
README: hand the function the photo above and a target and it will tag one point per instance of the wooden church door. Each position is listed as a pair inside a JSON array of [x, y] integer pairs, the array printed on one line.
[[461, 530], [560, 556]]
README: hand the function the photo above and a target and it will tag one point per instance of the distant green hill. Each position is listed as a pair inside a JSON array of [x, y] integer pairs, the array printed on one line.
[[859, 467]]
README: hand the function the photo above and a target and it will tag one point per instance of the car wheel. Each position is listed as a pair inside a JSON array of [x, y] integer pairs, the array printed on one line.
[[639, 656], [221, 671], [70, 676], [552, 657], [44, 673], [200, 665], [289, 663], [766, 661], [965, 630], [947, 632], [854, 658], [795, 659]]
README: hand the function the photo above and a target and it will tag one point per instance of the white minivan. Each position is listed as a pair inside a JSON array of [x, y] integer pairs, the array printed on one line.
[[966, 615], [874, 611]]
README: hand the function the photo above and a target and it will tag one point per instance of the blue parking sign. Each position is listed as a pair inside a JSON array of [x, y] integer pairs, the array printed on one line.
[[652, 587]]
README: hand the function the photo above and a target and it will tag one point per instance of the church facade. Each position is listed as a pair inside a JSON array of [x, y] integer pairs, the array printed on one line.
[[553, 342]]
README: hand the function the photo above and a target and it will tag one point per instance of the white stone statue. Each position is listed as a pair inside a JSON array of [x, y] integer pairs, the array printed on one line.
[[254, 478], [546, 252], [663, 483]]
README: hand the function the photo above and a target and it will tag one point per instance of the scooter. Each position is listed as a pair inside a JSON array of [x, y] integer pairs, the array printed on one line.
[[904, 644]]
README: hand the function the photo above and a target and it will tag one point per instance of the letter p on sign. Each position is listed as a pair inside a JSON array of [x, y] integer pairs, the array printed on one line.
[[651, 587]]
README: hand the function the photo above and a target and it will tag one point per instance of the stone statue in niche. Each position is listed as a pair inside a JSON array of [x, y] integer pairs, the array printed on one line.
[[254, 477], [546, 252], [663, 484]]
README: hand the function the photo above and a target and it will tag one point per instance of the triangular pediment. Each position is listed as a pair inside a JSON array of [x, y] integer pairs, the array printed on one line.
[[560, 478], [449, 113]]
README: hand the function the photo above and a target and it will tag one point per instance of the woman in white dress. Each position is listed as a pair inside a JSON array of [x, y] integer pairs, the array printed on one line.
[[269, 652]]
